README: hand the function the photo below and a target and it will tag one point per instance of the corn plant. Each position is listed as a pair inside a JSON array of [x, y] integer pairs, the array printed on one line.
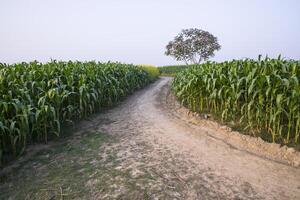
[[37, 100], [172, 70], [262, 95]]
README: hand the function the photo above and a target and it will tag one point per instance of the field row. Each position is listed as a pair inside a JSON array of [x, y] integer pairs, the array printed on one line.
[[37, 100], [172, 70], [260, 96]]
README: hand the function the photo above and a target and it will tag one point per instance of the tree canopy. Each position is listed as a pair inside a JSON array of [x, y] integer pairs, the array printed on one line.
[[193, 46]]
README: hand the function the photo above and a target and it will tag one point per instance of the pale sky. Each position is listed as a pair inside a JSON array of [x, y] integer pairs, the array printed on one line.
[[137, 31]]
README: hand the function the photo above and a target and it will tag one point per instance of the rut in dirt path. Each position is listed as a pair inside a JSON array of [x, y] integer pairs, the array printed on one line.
[[145, 149]]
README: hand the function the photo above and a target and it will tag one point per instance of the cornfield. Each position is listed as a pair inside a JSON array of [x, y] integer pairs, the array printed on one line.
[[152, 70], [36, 99], [262, 96], [172, 70]]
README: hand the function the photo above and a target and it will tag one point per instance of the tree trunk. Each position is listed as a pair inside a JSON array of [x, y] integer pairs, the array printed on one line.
[[199, 61]]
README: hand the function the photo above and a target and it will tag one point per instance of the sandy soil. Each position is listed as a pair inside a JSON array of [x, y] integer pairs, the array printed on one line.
[[157, 150]]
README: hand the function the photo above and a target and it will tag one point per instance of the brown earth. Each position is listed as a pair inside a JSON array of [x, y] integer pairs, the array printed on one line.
[[150, 147]]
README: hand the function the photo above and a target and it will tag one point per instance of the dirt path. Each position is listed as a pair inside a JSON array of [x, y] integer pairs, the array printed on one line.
[[149, 148]]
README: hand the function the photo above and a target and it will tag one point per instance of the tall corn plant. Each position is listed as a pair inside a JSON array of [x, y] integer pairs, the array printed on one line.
[[263, 94], [37, 100]]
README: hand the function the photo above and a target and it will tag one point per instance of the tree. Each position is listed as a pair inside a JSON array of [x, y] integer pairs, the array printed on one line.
[[193, 46]]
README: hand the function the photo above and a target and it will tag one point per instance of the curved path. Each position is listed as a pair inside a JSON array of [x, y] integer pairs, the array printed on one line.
[[156, 153]]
